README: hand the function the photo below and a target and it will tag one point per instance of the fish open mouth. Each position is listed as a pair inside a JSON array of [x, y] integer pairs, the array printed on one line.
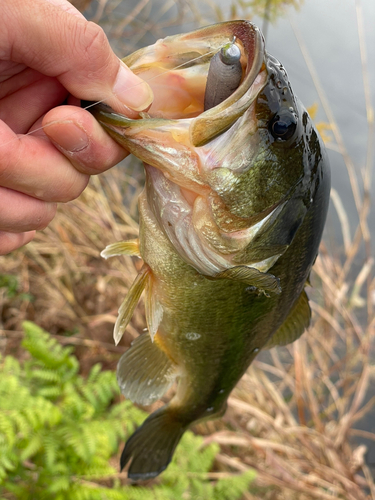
[[177, 68]]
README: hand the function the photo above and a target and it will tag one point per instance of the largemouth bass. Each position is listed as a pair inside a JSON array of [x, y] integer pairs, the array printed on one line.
[[231, 218]]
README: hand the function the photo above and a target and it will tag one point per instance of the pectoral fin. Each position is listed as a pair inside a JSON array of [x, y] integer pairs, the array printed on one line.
[[131, 300], [264, 282], [144, 372], [276, 235], [130, 247], [294, 325]]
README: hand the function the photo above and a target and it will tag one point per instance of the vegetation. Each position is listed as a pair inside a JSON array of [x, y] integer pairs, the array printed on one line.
[[59, 430], [294, 415]]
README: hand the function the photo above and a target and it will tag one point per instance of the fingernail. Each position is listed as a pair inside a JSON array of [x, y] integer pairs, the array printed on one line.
[[68, 136], [131, 90]]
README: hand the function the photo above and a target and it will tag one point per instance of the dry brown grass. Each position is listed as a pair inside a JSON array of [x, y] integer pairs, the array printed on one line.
[[295, 413]]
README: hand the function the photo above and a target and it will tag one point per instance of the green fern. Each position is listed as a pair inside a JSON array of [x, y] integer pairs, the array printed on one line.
[[59, 430]]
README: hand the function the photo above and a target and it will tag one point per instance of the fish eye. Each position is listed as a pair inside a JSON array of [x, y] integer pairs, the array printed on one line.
[[283, 125]]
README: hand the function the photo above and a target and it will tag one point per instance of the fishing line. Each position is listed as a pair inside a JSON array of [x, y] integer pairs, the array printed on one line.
[[99, 102]]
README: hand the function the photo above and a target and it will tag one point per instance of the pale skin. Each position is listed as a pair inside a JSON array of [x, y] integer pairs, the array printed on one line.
[[49, 55]]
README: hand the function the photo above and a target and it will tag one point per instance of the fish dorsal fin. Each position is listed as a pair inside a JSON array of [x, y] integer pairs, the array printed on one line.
[[294, 325], [131, 300], [145, 372], [264, 282], [130, 247]]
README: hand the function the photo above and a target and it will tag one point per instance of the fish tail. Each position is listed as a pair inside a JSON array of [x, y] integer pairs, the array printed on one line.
[[152, 445]]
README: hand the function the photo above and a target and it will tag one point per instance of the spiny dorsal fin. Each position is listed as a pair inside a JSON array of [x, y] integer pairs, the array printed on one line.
[[262, 281], [131, 300], [294, 325], [130, 247], [144, 372]]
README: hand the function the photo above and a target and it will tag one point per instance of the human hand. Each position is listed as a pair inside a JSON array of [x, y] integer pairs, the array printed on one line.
[[50, 54]]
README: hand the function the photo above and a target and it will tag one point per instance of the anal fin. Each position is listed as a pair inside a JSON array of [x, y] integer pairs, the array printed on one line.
[[294, 325], [144, 372]]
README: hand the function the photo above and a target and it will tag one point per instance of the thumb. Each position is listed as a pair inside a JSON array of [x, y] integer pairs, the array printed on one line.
[[54, 39]]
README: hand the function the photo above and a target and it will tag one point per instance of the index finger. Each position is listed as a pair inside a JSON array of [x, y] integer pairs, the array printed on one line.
[[64, 45]]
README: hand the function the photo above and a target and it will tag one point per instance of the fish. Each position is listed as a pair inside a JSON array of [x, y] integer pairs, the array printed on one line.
[[231, 217]]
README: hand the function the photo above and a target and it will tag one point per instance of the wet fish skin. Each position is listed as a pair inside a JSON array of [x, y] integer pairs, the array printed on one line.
[[230, 224]]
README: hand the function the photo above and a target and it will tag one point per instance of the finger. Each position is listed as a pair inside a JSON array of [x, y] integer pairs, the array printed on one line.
[[68, 7], [28, 96], [20, 213], [12, 241], [32, 165], [77, 52], [80, 137]]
